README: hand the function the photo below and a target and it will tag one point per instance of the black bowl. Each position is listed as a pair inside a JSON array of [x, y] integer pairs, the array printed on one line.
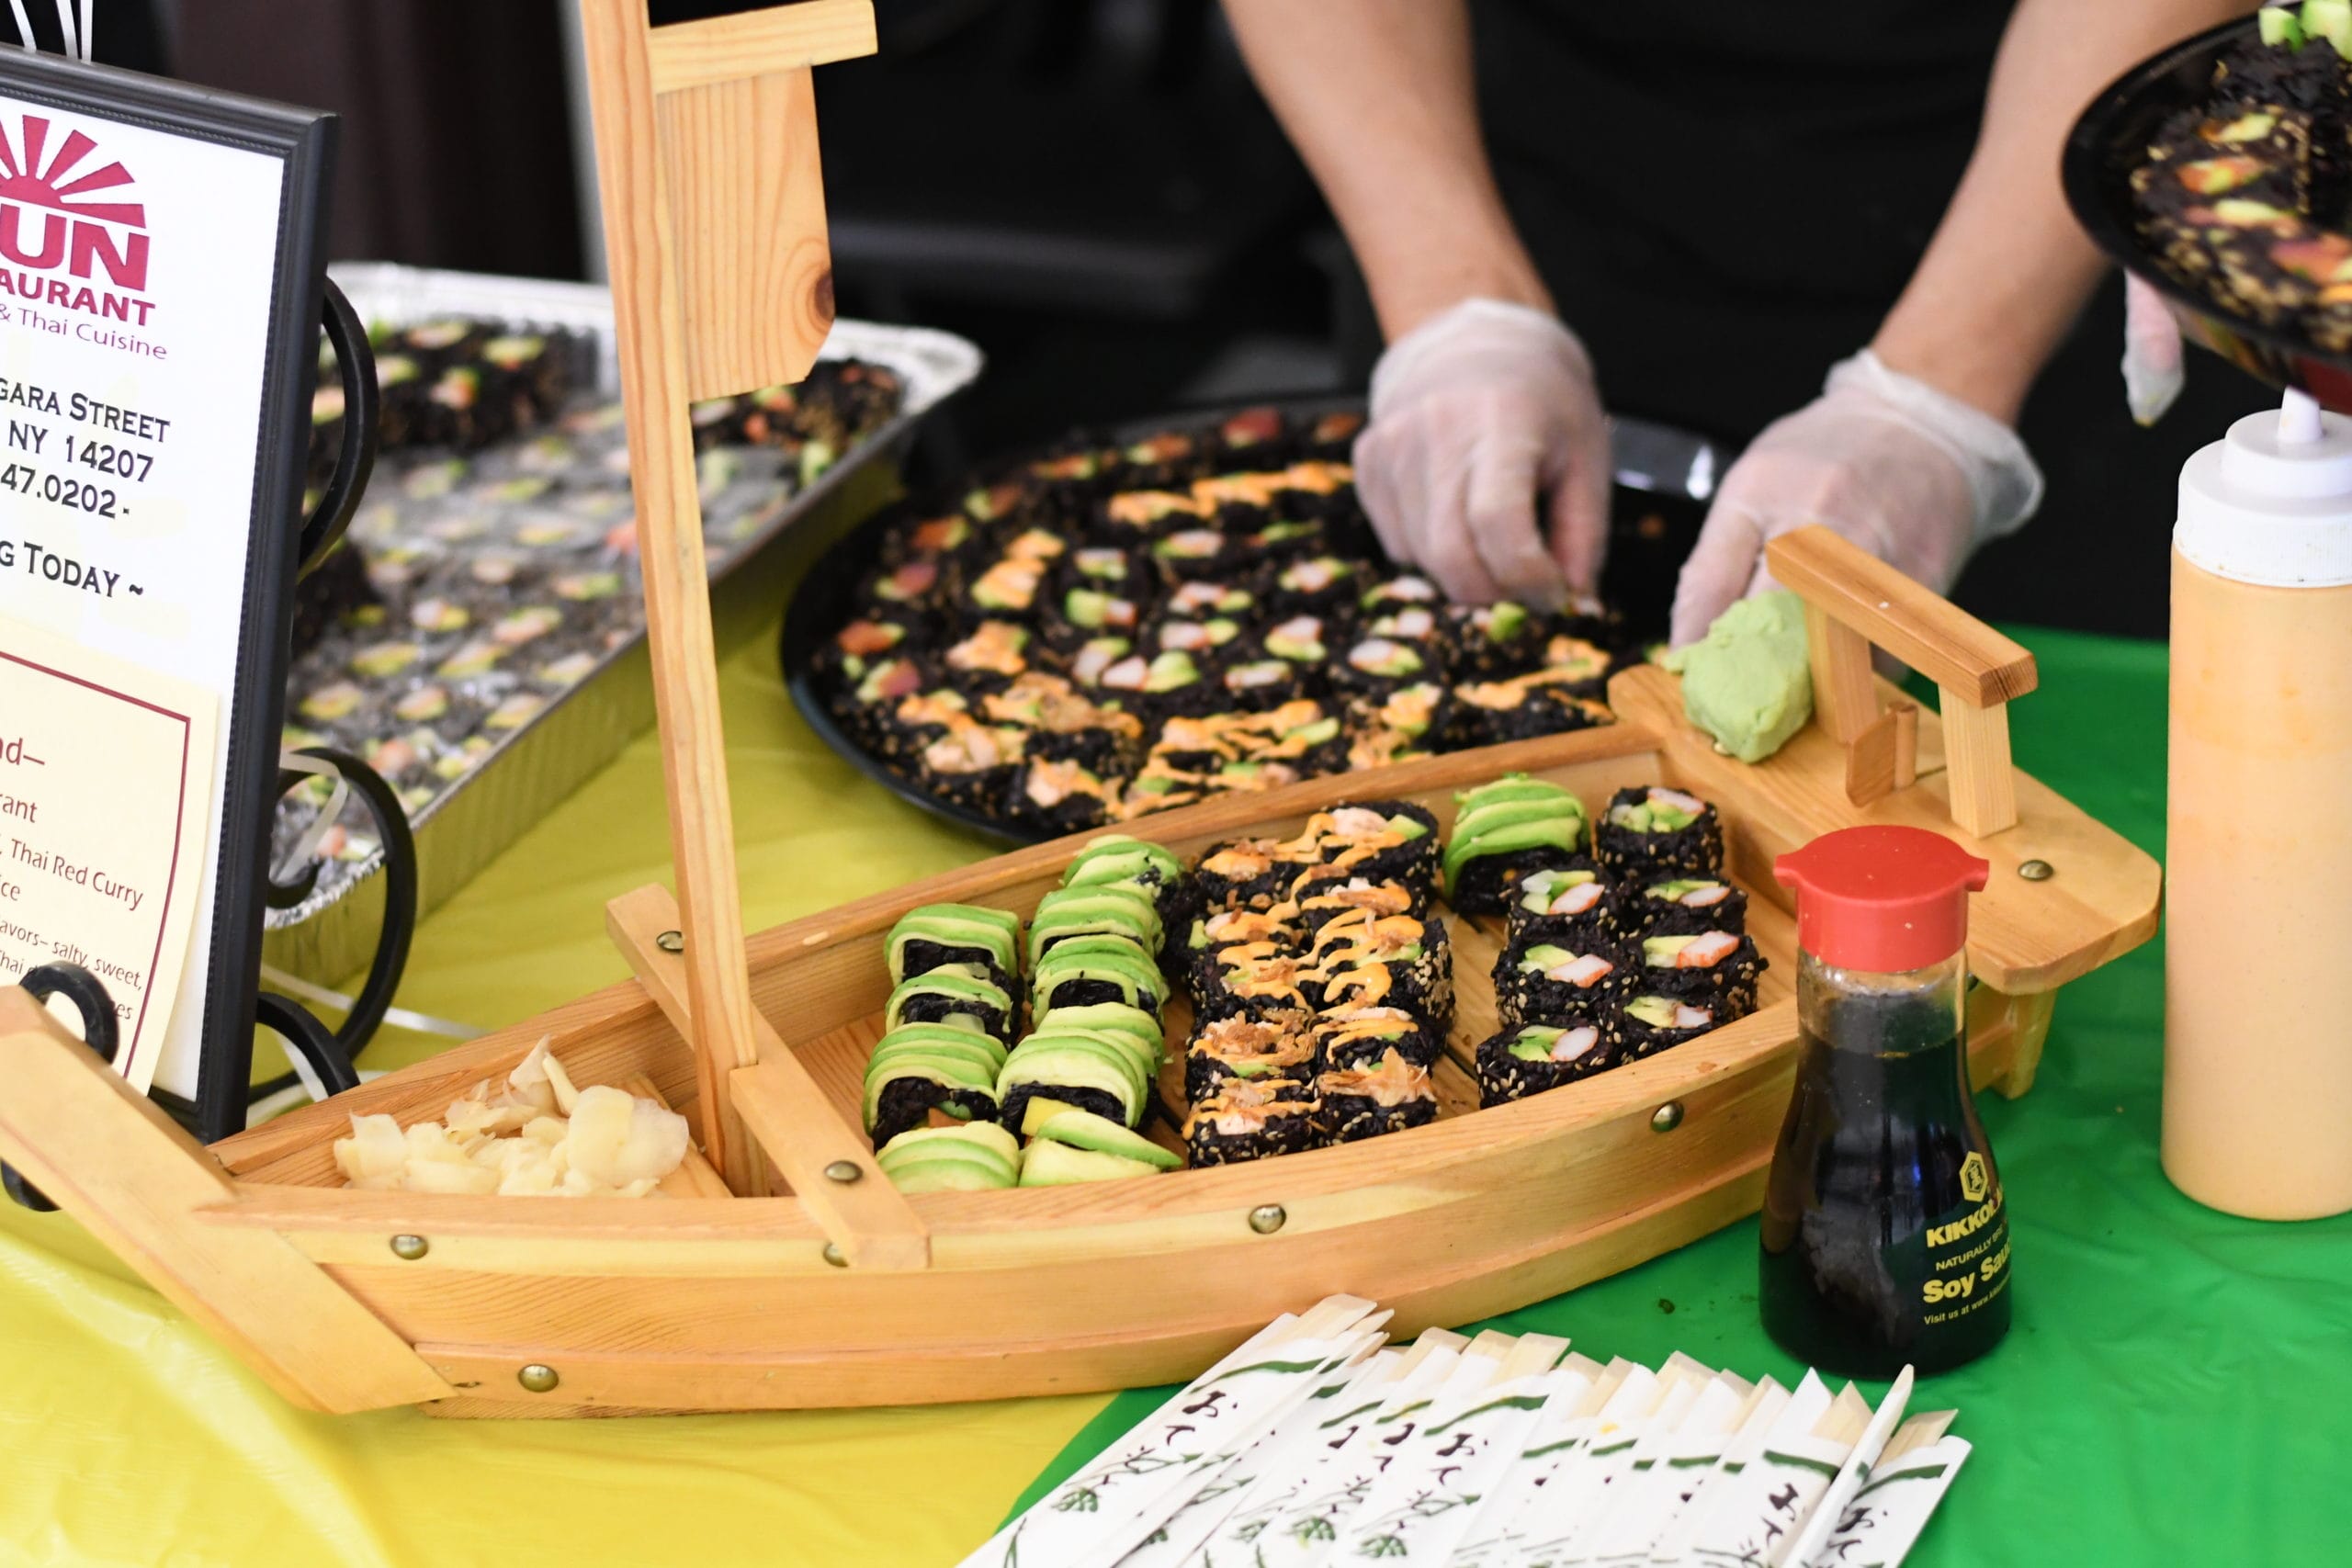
[[2112, 140]]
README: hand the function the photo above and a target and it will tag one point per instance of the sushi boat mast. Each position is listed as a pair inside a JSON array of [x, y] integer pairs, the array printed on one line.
[[488, 1306]]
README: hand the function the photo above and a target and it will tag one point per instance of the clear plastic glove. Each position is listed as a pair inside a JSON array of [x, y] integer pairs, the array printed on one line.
[[1480, 415], [1917, 477], [2153, 373]]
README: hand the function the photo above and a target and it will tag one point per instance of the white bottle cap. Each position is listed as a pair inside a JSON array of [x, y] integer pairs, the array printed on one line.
[[2271, 501]]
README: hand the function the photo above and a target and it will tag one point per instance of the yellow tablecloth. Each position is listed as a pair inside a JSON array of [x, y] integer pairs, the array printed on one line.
[[128, 1436]]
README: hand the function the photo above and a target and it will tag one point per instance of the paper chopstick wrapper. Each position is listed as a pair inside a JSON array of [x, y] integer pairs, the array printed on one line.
[[1578, 1389], [1883, 1521], [1668, 1464], [1674, 1544], [1572, 1500]]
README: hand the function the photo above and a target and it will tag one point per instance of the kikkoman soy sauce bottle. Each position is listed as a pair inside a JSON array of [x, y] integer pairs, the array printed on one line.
[[1885, 1242]]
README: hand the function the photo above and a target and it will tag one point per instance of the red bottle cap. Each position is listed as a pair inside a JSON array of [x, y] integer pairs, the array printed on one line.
[[1882, 899]]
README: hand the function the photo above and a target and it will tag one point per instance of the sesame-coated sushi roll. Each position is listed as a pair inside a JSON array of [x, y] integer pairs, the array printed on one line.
[[1504, 832], [1251, 1119], [870, 707], [1332, 438], [1161, 686], [1200, 554], [1255, 978], [1564, 904], [1248, 873], [1398, 593], [1325, 892], [1416, 624], [989, 656], [925, 1066], [1082, 970], [1529, 1058], [1711, 969], [1493, 642], [1391, 840], [1214, 642], [1212, 931], [969, 763], [930, 935], [1353, 1037], [1305, 640], [1578, 665], [1314, 585], [1095, 658], [1398, 961], [1266, 1046], [1545, 981], [954, 993], [1074, 616], [1408, 722], [1208, 599], [1258, 685], [1654, 834], [1489, 713], [1140, 518], [1010, 586], [1169, 459], [1685, 905], [1064, 795], [1366, 1101], [1650, 1022], [916, 584], [1373, 667], [1300, 744], [864, 642]]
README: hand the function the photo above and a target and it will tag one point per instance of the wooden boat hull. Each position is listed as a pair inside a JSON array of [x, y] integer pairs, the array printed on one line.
[[730, 1304]]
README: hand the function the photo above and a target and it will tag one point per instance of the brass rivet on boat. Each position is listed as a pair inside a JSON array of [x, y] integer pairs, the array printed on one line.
[[1667, 1117], [671, 941], [843, 1171], [538, 1377], [411, 1247], [1267, 1218], [2036, 870], [835, 1256]]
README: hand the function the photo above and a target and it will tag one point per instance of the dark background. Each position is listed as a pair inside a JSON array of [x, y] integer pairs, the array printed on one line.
[[1090, 189]]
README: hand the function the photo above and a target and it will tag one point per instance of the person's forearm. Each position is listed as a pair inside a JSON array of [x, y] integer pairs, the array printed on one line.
[[1377, 96], [2008, 269]]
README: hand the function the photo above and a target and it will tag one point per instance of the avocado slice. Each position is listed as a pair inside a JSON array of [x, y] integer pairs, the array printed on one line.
[[1408, 828], [1076, 1062], [959, 981], [1488, 815], [2330, 19], [2282, 27], [1170, 670], [1107, 1018], [1505, 621], [1545, 956], [1048, 1164], [1085, 608], [983, 1138], [1116, 959], [1117, 858], [1113, 907], [1142, 1055], [1559, 833], [946, 1175], [1656, 1011], [1673, 892], [1659, 950], [1314, 733], [974, 1073], [1084, 1130], [995, 931]]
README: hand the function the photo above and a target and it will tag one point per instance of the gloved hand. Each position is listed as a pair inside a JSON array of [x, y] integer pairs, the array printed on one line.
[[2153, 373], [1915, 477], [1479, 415]]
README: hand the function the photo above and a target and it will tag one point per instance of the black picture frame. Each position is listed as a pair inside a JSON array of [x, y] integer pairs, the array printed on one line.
[[303, 140]]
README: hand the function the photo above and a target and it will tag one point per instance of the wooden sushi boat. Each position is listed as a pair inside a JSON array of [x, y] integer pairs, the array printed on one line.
[[780, 1269]]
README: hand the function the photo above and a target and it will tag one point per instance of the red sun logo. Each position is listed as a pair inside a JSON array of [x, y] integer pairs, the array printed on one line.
[[54, 183]]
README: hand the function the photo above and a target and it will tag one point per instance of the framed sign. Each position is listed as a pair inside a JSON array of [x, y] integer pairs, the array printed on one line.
[[160, 278]]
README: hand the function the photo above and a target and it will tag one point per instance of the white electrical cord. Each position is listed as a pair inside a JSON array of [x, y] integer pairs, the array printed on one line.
[[89, 29], [24, 25], [65, 23]]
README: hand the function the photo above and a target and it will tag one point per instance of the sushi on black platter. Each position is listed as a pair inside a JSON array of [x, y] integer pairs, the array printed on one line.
[[1271, 1046], [1564, 904], [1713, 969], [1493, 641], [1371, 668], [1399, 961], [1315, 584], [950, 993], [1488, 713], [1250, 1118], [1685, 905], [1256, 685], [1366, 1101], [921, 1067], [1529, 1058], [1649, 1022], [1063, 794], [1654, 834], [1408, 722], [869, 707], [992, 658], [930, 935], [969, 763], [1507, 831], [1352, 1037], [1540, 980]]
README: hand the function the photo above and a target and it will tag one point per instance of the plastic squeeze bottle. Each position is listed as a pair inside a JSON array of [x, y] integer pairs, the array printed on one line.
[[2257, 1100], [1885, 1239]]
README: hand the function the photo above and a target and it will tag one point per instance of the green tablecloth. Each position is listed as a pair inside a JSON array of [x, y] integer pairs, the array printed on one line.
[[2170, 1393]]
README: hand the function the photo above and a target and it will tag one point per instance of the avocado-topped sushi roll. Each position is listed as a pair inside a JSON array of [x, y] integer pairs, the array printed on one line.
[[975, 1156], [924, 1067], [1713, 969], [1315, 584], [1248, 873], [1255, 978], [1564, 904], [1402, 961], [1011, 584], [1529, 1058], [1352, 1037], [949, 993], [1118, 860], [1104, 909], [1250, 1118], [1504, 832], [932, 934], [1136, 1031], [1100, 967], [1365, 1101], [1494, 641], [1692, 905], [953, 541], [1651, 1022], [1373, 667], [1655, 834], [1096, 1070], [1325, 892], [1542, 981], [1267, 1046]]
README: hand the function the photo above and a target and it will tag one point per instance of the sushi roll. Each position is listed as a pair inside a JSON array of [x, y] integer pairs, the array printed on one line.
[[1062, 794], [1106, 909], [950, 993], [926, 1067], [1153, 790], [1252, 435], [1493, 642], [1353, 1037], [1544, 981], [1096, 1070], [1095, 658], [1564, 904], [1388, 840], [1157, 687], [1303, 640], [1409, 590], [1366, 1101], [1655, 834], [1202, 745], [1271, 1046], [1117, 859], [1692, 905], [1408, 722], [1305, 742], [911, 585], [527, 374], [951, 542], [1577, 666], [1529, 1058], [1140, 518], [1097, 968], [1651, 1022], [1507, 831], [969, 763], [1416, 624], [989, 657], [1332, 438], [1076, 615], [975, 1157], [1248, 873], [1324, 893], [1200, 554], [1212, 641], [863, 642], [1250, 1118], [1375, 668], [1489, 713], [1314, 585], [1710, 969], [1010, 585], [1360, 960], [1210, 600], [1258, 685], [930, 935], [1252, 979], [1167, 459]]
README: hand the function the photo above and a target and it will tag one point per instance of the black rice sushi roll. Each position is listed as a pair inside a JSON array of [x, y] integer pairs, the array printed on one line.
[[1323, 893], [1074, 616], [1084, 970], [1209, 600], [1096, 658], [1373, 667], [1407, 588], [1253, 979], [870, 707], [1266, 1046], [1354, 1037], [1685, 905], [1411, 721], [1010, 586], [1163, 684], [1201, 745], [1504, 832], [1577, 666], [953, 543], [918, 584], [1064, 795], [1313, 585], [1249, 873], [1332, 438], [1258, 685], [989, 656], [1107, 908], [1388, 840], [1119, 861], [1564, 904], [1366, 1101], [1168, 458], [1711, 969], [1139, 518], [1650, 1022], [1211, 932], [1200, 554], [863, 642], [930, 935], [1529, 1058], [1250, 1118], [1400, 960], [1655, 834], [1305, 742], [1493, 642], [1521, 707], [952, 992], [1096, 1070], [925, 1066], [1303, 640], [967, 762], [1213, 642], [1541, 981], [1416, 624]]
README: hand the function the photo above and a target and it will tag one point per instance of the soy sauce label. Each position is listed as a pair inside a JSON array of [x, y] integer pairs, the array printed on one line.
[[1966, 1252]]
